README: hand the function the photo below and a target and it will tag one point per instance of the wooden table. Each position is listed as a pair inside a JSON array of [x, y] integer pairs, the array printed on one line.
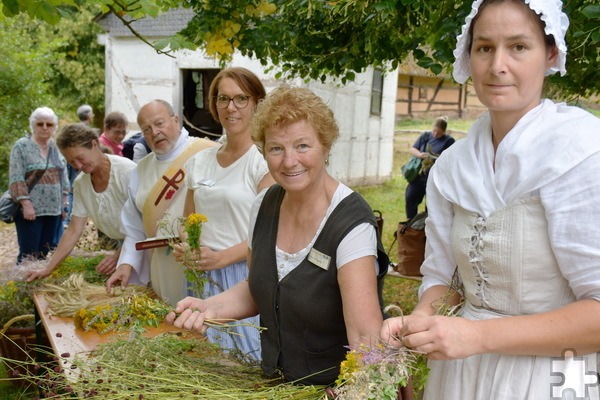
[[68, 342]]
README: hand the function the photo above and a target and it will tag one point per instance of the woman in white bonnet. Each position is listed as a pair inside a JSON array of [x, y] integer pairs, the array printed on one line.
[[513, 210]]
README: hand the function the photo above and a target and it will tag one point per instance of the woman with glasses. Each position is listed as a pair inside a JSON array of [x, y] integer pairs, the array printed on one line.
[[99, 193], [222, 183], [115, 129], [38, 181]]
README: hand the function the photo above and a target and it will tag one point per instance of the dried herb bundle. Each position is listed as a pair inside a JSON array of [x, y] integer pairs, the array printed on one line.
[[167, 367]]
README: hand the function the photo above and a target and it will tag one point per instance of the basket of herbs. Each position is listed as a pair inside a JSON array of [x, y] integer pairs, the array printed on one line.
[[19, 345]]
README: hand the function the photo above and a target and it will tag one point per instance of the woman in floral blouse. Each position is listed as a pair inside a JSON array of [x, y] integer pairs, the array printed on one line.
[[35, 158]]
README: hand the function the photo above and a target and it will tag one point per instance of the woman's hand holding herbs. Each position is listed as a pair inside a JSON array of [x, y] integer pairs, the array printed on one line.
[[209, 259], [189, 252], [190, 313], [202, 259], [185, 255]]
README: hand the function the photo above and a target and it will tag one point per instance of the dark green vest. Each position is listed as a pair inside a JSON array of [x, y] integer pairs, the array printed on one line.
[[305, 339]]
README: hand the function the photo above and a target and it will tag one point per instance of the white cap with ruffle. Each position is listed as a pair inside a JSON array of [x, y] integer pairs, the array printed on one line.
[[551, 13]]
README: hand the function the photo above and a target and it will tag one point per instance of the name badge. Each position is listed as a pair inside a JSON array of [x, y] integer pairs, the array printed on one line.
[[319, 259], [207, 182]]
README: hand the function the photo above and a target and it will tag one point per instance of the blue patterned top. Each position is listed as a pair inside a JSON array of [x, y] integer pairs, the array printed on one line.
[[26, 162]]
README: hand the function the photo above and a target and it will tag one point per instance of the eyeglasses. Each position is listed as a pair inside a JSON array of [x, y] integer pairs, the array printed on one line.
[[159, 124], [240, 101], [45, 124]]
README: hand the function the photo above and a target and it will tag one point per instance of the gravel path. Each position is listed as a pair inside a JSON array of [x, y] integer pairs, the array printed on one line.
[[9, 250], [8, 253]]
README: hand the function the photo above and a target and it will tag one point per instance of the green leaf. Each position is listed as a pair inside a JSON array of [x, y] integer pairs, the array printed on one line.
[[592, 11], [10, 8]]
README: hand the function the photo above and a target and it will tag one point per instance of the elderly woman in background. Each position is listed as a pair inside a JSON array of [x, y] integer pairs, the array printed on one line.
[[35, 158], [98, 193], [316, 261], [115, 129]]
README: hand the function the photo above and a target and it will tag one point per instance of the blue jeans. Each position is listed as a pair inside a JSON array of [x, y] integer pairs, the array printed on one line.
[[415, 192], [36, 238]]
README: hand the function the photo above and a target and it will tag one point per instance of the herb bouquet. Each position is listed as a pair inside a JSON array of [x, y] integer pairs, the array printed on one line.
[[192, 225], [377, 372]]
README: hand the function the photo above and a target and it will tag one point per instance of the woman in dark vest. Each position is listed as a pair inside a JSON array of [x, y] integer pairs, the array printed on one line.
[[316, 263]]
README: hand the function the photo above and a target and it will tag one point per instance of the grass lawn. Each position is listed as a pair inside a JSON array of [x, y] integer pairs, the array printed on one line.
[[389, 199]]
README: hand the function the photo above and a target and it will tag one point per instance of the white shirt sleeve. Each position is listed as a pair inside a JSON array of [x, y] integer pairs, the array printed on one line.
[[78, 205], [132, 227], [439, 265], [139, 152], [254, 214], [571, 204], [359, 242]]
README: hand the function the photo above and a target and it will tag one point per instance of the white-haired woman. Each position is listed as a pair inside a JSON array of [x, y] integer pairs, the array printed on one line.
[[513, 210], [36, 159]]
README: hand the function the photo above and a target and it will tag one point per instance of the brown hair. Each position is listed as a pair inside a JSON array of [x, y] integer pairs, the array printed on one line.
[[549, 39], [76, 135], [441, 122], [245, 79], [287, 105], [115, 118]]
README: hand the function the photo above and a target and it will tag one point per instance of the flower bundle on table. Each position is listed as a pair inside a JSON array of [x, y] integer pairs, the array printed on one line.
[[133, 313]]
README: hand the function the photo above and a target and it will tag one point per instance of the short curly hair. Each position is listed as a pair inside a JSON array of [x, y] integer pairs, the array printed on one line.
[[287, 105]]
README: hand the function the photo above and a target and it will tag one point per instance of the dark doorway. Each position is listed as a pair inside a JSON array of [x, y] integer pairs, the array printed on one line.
[[196, 115]]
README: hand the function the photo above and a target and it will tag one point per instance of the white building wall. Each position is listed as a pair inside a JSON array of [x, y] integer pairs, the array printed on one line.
[[137, 74]]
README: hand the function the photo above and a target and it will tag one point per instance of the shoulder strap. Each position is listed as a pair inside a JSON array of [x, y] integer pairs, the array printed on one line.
[[166, 190], [39, 176]]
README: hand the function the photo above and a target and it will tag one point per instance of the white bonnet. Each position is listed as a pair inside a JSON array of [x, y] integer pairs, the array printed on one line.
[[551, 13]]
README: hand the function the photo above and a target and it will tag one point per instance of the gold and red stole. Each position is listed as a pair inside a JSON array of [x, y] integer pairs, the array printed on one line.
[[166, 190]]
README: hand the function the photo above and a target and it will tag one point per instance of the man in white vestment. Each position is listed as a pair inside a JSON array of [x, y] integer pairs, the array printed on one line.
[[156, 194]]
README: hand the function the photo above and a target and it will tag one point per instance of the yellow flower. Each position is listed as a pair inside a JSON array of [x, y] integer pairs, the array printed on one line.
[[194, 219], [349, 366]]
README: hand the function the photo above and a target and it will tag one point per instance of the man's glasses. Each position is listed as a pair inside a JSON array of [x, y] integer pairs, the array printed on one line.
[[240, 101], [45, 124]]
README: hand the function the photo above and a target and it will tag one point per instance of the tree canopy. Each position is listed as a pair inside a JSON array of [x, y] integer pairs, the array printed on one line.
[[317, 38], [60, 66]]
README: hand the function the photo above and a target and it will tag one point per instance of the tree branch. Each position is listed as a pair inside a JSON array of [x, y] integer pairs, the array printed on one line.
[[136, 33]]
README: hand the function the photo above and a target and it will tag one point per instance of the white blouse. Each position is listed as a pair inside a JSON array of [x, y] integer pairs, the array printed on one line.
[[360, 242], [552, 153]]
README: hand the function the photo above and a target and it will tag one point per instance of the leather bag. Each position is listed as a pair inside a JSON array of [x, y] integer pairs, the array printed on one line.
[[411, 245]]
